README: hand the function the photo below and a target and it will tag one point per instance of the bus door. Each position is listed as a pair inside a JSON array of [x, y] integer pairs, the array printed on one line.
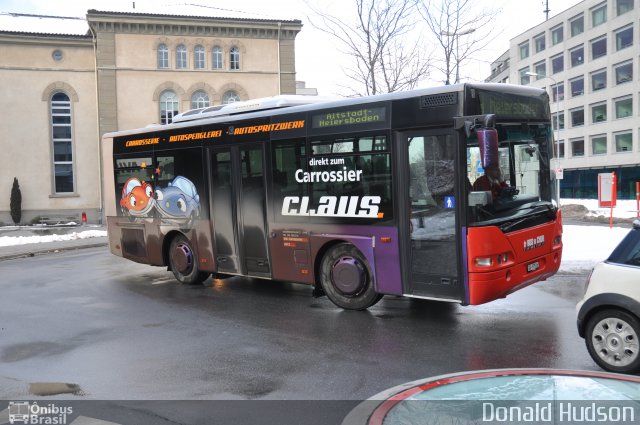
[[428, 161], [238, 210]]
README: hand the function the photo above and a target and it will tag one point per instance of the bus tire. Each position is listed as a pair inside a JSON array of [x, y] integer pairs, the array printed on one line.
[[346, 278], [184, 263]]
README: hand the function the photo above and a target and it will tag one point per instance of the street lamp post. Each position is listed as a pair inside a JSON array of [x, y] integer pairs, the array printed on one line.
[[457, 35], [557, 127]]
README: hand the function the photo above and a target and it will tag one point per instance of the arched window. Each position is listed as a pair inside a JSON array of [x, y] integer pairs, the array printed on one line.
[[168, 106], [163, 56], [62, 143], [198, 57], [199, 99], [234, 58], [230, 97], [181, 56], [217, 57]]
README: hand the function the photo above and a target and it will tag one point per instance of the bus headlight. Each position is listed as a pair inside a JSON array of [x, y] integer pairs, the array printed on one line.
[[483, 262]]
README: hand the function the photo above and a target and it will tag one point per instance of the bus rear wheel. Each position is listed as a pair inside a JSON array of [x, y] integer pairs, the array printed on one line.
[[346, 278], [183, 262]]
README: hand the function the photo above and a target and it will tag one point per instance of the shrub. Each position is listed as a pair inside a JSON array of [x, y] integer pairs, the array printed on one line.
[[16, 202]]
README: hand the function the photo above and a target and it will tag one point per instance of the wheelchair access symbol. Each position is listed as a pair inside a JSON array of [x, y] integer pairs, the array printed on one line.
[[449, 202]]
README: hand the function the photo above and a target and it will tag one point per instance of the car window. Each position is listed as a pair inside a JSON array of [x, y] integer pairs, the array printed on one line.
[[628, 251], [185, 185]]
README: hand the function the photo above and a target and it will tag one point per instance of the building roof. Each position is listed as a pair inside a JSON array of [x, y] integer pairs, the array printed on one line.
[[76, 27], [239, 16], [16, 23]]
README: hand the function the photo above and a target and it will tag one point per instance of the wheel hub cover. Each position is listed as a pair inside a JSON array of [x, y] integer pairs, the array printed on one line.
[[348, 276], [616, 342], [183, 258]]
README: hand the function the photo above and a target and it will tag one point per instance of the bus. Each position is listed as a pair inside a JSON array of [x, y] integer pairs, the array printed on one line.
[[357, 197]]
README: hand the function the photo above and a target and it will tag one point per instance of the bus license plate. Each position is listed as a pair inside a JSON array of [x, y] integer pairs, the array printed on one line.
[[532, 267]]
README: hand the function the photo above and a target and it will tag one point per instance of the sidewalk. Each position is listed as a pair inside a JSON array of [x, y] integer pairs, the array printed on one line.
[[49, 239]]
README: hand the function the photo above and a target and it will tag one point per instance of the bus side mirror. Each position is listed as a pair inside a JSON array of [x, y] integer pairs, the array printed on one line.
[[480, 198]]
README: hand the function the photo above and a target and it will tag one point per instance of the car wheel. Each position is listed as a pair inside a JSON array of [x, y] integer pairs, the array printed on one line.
[[346, 278], [612, 341], [183, 262]]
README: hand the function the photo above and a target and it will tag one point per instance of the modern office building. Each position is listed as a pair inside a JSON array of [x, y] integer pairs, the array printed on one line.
[[61, 91], [588, 59]]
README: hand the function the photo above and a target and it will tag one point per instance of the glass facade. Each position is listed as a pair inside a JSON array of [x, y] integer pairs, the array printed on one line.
[[599, 48], [624, 38], [198, 57], [624, 72], [163, 56], [61, 133], [557, 35], [217, 58], [540, 43], [577, 147], [577, 56], [599, 15], [577, 25], [624, 107], [624, 6], [524, 50], [599, 145], [583, 184], [577, 87], [598, 113], [557, 63], [624, 142], [577, 117], [599, 80]]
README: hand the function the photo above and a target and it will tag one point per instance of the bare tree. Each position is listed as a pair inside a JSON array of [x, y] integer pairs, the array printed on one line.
[[387, 54], [461, 30]]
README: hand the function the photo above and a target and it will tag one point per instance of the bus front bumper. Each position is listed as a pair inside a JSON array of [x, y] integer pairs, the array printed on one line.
[[491, 285]]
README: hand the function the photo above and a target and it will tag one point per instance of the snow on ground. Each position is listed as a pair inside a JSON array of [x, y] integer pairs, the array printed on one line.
[[583, 245], [586, 245], [22, 240], [623, 209]]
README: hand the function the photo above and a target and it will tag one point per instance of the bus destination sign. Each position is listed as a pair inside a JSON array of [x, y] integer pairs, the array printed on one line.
[[510, 106], [355, 116]]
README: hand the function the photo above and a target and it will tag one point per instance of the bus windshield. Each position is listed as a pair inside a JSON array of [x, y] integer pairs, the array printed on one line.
[[519, 188]]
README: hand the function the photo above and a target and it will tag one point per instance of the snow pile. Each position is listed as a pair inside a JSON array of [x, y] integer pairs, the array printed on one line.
[[21, 240], [584, 246], [623, 209]]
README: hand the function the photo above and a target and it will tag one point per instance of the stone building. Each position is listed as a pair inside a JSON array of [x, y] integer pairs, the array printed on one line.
[[61, 92]]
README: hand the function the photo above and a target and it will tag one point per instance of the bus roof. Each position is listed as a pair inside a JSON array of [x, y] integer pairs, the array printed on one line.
[[282, 104], [252, 105]]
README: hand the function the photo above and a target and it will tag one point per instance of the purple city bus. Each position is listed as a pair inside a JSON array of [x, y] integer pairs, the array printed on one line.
[[359, 198]]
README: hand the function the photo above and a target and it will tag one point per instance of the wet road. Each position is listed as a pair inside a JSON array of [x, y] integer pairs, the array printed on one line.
[[120, 330]]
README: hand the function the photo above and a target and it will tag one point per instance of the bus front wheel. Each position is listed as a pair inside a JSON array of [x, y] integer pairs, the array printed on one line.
[[184, 263], [346, 278]]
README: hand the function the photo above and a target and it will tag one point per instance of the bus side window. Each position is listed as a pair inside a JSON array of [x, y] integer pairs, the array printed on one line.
[[288, 163]]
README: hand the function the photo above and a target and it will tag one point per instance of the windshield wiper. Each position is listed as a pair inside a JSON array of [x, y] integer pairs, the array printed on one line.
[[511, 224], [550, 210]]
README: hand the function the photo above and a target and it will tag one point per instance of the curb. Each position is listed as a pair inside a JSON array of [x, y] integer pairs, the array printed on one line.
[[43, 251]]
